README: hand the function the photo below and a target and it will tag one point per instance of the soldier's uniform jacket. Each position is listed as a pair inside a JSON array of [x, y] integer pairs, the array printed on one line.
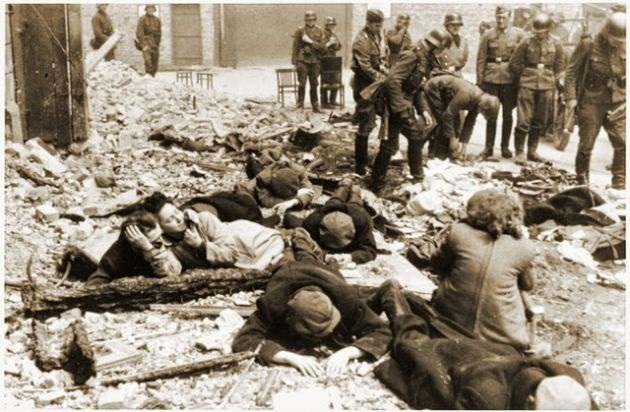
[[452, 59], [308, 53], [455, 94], [537, 64], [605, 80], [149, 31], [102, 28], [366, 56], [331, 51], [495, 49], [404, 81], [397, 42]]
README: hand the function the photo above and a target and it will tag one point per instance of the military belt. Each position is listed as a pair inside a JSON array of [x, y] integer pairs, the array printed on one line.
[[539, 66], [497, 60]]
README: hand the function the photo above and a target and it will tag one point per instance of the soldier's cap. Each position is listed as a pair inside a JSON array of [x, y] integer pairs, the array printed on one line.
[[374, 16], [336, 230], [502, 10], [489, 106], [561, 392], [311, 313], [101, 4], [150, 6], [404, 16]]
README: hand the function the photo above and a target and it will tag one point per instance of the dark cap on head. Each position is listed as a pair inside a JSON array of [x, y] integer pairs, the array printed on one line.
[[312, 313], [336, 230], [150, 6], [374, 16], [502, 10], [284, 183]]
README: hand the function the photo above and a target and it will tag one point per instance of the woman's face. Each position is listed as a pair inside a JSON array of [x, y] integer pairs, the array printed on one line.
[[171, 219]]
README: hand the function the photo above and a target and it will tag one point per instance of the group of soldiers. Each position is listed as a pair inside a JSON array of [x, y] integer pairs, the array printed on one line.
[[418, 90], [148, 35]]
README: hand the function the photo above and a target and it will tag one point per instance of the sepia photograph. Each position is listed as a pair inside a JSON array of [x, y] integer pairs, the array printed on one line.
[[315, 206]]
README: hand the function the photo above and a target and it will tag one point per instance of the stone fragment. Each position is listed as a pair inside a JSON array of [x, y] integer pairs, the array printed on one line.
[[48, 161], [47, 213]]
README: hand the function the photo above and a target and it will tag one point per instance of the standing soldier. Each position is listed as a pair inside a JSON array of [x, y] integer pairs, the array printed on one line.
[[536, 62], [494, 77], [309, 44], [367, 68], [398, 38], [149, 34], [102, 28], [452, 59], [596, 85], [333, 45]]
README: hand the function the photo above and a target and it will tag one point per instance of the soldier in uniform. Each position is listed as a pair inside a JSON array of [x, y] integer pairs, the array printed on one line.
[[452, 59], [149, 34], [102, 28], [333, 45], [403, 91], [493, 76], [596, 85], [367, 67], [308, 45], [536, 62], [448, 95], [398, 38]]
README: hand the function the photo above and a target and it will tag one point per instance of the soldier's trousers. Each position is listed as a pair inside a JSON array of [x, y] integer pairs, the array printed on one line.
[[310, 72], [591, 118], [411, 129], [151, 58], [507, 94], [365, 116], [534, 109]]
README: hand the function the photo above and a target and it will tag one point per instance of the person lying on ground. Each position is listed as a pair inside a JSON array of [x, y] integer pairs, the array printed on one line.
[[277, 182], [307, 304], [430, 371], [483, 266], [139, 251], [201, 240], [342, 227]]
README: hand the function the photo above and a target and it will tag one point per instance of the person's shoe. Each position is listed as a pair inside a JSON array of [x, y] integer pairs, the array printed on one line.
[[486, 153], [385, 296], [506, 153], [520, 159], [416, 179], [299, 106], [316, 109], [582, 180], [535, 157]]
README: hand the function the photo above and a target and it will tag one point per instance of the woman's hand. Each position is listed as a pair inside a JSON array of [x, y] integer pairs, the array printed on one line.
[[135, 236], [282, 207], [192, 238], [307, 365], [337, 363]]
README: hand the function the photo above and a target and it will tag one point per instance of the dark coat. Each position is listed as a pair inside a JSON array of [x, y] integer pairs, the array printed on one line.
[[403, 82], [359, 325], [120, 260], [230, 206], [363, 246], [562, 207], [102, 28], [462, 373], [531, 52], [149, 31]]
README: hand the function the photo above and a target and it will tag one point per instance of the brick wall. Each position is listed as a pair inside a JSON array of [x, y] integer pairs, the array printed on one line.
[[125, 19]]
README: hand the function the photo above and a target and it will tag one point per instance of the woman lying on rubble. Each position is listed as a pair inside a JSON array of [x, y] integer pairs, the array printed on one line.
[[307, 304], [431, 371], [139, 251], [342, 227], [201, 240], [485, 267], [277, 182]]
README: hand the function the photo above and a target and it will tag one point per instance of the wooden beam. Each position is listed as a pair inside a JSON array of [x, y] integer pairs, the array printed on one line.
[[92, 59], [139, 292], [215, 310]]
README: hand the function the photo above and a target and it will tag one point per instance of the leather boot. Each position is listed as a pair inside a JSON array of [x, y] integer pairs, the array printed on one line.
[[392, 299], [314, 100], [360, 154], [519, 144], [316, 108], [532, 146], [379, 170], [486, 153], [505, 152], [300, 98], [414, 157]]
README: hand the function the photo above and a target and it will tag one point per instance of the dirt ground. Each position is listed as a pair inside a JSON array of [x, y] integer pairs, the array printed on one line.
[[583, 321]]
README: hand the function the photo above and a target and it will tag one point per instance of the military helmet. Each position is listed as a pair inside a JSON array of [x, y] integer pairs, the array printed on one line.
[[150, 6], [439, 38], [541, 23], [453, 18], [404, 16], [331, 20], [310, 14], [615, 26]]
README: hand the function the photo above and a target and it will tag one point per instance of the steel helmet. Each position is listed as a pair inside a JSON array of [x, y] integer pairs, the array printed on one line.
[[311, 14], [615, 26], [542, 22], [453, 18], [439, 38], [331, 20]]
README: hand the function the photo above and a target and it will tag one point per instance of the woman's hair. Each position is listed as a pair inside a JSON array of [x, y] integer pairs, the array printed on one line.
[[146, 221], [155, 202], [495, 212]]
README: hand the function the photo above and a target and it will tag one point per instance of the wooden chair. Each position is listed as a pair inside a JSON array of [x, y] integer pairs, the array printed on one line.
[[185, 77], [331, 78], [206, 77], [287, 83]]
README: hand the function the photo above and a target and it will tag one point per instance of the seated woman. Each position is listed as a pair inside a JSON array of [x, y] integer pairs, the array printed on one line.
[[201, 240], [484, 266], [277, 182], [139, 251], [306, 304], [342, 227], [429, 371]]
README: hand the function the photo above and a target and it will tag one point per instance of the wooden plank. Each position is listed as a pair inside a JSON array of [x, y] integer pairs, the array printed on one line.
[[10, 102], [79, 106], [92, 59], [244, 311]]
